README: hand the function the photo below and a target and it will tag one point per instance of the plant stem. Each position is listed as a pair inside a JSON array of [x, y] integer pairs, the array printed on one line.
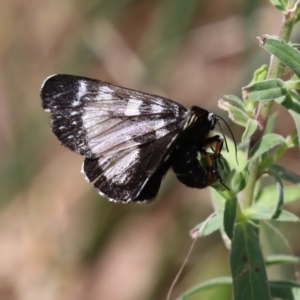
[[264, 109]]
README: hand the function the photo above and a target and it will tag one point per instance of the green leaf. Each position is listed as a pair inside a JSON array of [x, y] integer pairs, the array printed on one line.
[[231, 155], [281, 259], [292, 104], [266, 143], [291, 194], [297, 19], [271, 123], [226, 239], [285, 290], [219, 199], [238, 181], [286, 216], [267, 213], [235, 100], [280, 193], [250, 129], [296, 118], [295, 77], [270, 89], [292, 140], [230, 216], [280, 4], [260, 74], [206, 285], [213, 223], [266, 196], [236, 114], [292, 84], [283, 51], [249, 275], [285, 174], [223, 170]]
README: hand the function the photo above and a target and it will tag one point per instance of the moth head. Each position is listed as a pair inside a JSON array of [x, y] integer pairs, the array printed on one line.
[[213, 120], [206, 119]]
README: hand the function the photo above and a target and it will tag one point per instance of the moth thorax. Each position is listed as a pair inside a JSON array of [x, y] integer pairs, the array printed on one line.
[[190, 120]]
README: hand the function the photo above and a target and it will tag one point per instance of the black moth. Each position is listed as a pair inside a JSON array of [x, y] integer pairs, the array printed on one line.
[[131, 139]]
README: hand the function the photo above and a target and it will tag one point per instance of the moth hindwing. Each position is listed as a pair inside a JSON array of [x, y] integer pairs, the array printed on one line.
[[129, 139]]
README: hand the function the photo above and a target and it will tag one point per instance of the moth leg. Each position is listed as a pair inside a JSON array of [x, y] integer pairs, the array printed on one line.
[[218, 143], [216, 172], [212, 168], [213, 161]]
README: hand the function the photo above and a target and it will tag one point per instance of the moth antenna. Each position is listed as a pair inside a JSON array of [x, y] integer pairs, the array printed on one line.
[[226, 145], [234, 141]]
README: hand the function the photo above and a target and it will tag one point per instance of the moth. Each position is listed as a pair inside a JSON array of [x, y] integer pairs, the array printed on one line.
[[130, 139]]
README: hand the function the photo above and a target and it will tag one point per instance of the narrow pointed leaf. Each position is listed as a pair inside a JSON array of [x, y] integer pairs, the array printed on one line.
[[281, 259], [238, 181], [266, 143], [285, 290], [247, 264], [219, 200], [236, 114], [286, 53], [260, 74], [265, 90], [206, 285], [292, 104], [271, 123], [285, 174], [236, 100], [230, 216], [280, 4], [250, 129], [267, 213], [280, 194], [267, 195], [213, 223]]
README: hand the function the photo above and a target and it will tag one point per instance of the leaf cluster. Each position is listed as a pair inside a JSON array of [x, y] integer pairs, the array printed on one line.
[[258, 153]]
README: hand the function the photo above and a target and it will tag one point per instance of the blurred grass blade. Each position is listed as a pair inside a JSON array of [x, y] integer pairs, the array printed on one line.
[[281, 259], [249, 275], [165, 32], [280, 4], [286, 290], [265, 90], [206, 285], [283, 51]]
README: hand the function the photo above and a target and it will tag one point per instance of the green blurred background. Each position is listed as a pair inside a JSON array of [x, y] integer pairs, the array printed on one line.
[[58, 238]]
